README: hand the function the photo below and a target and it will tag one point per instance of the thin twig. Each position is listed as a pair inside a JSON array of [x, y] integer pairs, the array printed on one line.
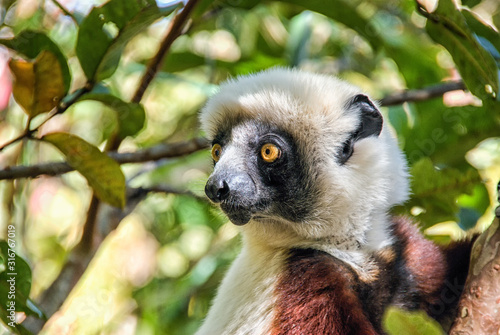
[[61, 108], [175, 29], [422, 94], [141, 192], [65, 11], [15, 140]]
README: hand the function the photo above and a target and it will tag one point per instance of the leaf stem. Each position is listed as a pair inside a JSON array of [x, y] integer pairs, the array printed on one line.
[[14, 140]]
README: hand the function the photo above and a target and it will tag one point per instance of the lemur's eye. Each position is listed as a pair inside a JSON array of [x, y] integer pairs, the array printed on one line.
[[216, 152], [270, 152]]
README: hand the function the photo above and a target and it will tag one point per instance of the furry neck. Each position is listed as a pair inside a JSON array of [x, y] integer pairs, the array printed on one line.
[[353, 234]]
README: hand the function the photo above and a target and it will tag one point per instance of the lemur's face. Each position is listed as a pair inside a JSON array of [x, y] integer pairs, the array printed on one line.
[[293, 147], [258, 174]]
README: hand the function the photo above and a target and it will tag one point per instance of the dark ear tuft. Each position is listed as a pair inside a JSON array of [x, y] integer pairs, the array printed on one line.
[[371, 119], [370, 125]]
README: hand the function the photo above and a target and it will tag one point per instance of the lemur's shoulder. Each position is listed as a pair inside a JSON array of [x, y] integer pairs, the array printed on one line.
[[319, 293]]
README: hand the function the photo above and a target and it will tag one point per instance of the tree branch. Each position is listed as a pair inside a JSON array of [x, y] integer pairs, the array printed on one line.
[[478, 311], [175, 29], [141, 192], [422, 94], [65, 11], [160, 151]]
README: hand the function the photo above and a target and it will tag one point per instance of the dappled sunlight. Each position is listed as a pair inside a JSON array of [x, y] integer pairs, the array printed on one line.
[[101, 300]]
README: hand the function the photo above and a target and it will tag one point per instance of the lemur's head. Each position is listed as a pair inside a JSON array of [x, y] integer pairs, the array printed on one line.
[[306, 154]]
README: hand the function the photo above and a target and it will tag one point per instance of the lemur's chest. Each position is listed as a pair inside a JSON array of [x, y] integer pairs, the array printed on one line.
[[296, 291], [246, 299]]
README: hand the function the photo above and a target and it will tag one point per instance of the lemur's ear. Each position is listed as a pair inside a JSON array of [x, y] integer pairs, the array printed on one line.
[[371, 119], [370, 125]]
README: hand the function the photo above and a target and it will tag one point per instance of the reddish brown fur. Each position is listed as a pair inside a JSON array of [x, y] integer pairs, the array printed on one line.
[[317, 295], [439, 273], [423, 259]]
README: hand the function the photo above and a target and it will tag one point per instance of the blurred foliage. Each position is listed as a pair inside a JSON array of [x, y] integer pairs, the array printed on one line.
[[157, 273], [15, 285]]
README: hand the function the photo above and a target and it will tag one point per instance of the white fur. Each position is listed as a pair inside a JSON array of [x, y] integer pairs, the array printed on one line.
[[245, 299], [350, 215]]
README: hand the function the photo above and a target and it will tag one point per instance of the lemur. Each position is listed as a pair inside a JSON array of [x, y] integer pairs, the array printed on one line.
[[305, 165]]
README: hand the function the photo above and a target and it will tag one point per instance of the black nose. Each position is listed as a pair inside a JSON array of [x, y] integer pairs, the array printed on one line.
[[237, 186], [217, 189]]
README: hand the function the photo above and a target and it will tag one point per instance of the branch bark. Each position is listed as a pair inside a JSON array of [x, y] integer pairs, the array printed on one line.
[[423, 94], [478, 309]]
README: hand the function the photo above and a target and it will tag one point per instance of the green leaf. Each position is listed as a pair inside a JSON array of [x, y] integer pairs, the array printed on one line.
[[470, 3], [38, 85], [496, 19], [106, 30], [103, 174], [414, 59], [31, 43], [15, 287], [448, 27], [486, 35], [472, 206], [180, 61], [436, 191], [130, 116], [397, 321], [202, 7], [447, 135]]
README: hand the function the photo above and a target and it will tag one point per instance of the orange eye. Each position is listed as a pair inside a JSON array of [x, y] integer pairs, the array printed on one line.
[[216, 152], [270, 152]]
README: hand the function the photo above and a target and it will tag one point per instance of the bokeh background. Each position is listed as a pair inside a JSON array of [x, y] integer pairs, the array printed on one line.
[[158, 270]]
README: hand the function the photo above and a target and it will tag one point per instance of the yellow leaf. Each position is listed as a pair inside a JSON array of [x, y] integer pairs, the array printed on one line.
[[24, 84], [49, 83], [38, 85]]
